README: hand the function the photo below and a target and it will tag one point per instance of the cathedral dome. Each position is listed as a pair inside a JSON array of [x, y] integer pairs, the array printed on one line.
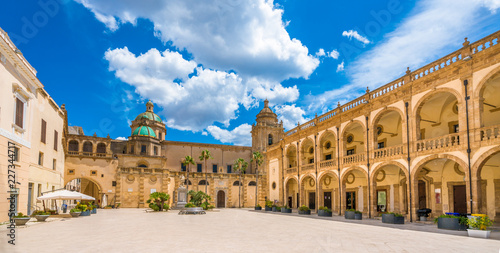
[[150, 116], [144, 131], [266, 112]]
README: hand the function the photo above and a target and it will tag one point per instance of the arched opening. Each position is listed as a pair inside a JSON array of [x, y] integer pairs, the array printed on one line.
[[329, 191], [441, 185], [489, 102], [489, 187], [85, 186], [355, 190], [387, 130], [437, 116], [291, 193], [389, 191], [73, 146], [221, 199], [291, 156], [87, 147], [101, 148], [354, 143], [327, 146], [142, 165], [270, 139], [307, 152], [187, 182], [308, 190], [252, 183], [203, 182], [237, 183]]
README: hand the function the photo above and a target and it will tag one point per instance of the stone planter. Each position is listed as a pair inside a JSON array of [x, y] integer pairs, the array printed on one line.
[[450, 223], [75, 214], [308, 212], [349, 215], [94, 211], [21, 221], [268, 209], [479, 233], [258, 208], [86, 213], [286, 210], [324, 213], [41, 217], [275, 209], [358, 216], [392, 219]]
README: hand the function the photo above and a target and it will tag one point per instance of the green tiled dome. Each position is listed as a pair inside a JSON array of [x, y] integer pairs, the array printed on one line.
[[150, 116], [144, 131]]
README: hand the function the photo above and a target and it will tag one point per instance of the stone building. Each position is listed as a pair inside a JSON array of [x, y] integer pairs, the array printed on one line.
[[31, 120], [126, 172], [429, 139]]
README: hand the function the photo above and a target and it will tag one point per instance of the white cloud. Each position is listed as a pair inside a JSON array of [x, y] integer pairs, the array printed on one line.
[[121, 139], [290, 115], [240, 135], [334, 54], [354, 34], [432, 29], [340, 67], [248, 37], [321, 52]]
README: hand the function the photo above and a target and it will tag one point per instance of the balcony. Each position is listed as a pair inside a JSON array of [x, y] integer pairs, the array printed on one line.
[[389, 152], [307, 167], [291, 170], [489, 135], [451, 141], [352, 159], [89, 154]]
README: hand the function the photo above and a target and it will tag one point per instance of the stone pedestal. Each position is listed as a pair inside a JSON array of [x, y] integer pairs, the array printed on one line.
[[181, 197]]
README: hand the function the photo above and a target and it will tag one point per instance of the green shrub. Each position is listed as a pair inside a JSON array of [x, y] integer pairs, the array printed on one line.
[[81, 207], [39, 212], [189, 205], [322, 208], [75, 210], [207, 206], [157, 201], [20, 215], [304, 208], [350, 210], [269, 203], [258, 206], [480, 222], [278, 208], [198, 197], [461, 220]]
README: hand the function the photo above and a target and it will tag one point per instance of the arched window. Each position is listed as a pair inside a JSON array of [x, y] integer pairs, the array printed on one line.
[[87, 147], [188, 182], [101, 148], [142, 165], [73, 146], [203, 182], [236, 183], [270, 139], [252, 183]]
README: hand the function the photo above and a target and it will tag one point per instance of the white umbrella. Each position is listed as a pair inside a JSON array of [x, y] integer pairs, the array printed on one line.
[[65, 195]]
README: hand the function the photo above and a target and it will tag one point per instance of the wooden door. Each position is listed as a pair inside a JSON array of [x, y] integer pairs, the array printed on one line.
[[422, 195], [459, 199], [290, 202], [327, 196], [221, 199], [312, 200], [350, 198]]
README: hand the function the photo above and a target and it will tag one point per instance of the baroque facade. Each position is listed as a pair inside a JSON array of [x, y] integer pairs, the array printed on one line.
[[429, 139]]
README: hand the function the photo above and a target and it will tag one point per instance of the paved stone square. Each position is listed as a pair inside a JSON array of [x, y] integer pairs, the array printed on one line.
[[229, 230]]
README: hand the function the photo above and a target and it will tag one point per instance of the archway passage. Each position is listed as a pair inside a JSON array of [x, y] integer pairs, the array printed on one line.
[[87, 187], [221, 199], [354, 143], [388, 130], [307, 152], [440, 185], [389, 191], [490, 104], [328, 146], [329, 191], [437, 116], [489, 187], [355, 190], [291, 193], [308, 192], [291, 156]]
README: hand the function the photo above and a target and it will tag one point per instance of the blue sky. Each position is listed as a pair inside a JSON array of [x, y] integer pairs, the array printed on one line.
[[208, 65]]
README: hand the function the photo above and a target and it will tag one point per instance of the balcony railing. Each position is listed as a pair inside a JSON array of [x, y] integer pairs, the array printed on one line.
[[291, 170], [388, 152], [89, 154], [356, 158], [328, 164], [307, 167], [447, 141], [490, 133]]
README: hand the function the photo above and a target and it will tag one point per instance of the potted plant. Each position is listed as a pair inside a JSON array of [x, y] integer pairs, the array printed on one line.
[[451, 222], [269, 205], [324, 211], [21, 219], [75, 212], [258, 207], [93, 208], [285, 209], [304, 210], [350, 214], [40, 215], [275, 209], [358, 215], [83, 209], [478, 225], [393, 218]]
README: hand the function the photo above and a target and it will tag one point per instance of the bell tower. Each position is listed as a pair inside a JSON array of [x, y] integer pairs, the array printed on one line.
[[266, 131]]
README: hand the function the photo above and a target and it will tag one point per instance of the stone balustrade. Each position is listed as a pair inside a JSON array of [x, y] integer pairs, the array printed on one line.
[[388, 152], [447, 141], [351, 159]]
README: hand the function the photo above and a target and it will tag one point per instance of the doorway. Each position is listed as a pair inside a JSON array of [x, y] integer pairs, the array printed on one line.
[[221, 199], [30, 195], [327, 197], [422, 195], [459, 199], [350, 198], [381, 201], [290, 202], [312, 200]]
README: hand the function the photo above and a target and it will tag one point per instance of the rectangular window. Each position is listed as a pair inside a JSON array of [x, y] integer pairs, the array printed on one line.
[[143, 149], [19, 113], [132, 150], [455, 128], [311, 160], [214, 168], [43, 133], [328, 157], [16, 154], [350, 151], [40, 158], [56, 137], [381, 145], [161, 135], [229, 167], [54, 164], [183, 167], [39, 193], [198, 167], [156, 150]]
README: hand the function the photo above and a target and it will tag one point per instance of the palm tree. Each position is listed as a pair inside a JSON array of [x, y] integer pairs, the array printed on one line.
[[205, 155], [187, 161], [240, 165], [258, 159]]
